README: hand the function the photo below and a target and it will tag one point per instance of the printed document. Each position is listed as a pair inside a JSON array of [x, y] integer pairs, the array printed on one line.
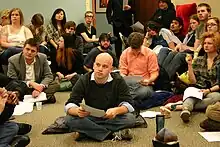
[[93, 111]]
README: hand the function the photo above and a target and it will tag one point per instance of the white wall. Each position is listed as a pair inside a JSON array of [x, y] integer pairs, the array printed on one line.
[[74, 9]]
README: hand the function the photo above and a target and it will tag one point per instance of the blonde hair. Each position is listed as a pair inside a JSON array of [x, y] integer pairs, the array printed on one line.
[[5, 13]]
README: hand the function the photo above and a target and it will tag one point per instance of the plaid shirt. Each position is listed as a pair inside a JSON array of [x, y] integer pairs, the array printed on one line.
[[52, 33], [205, 78]]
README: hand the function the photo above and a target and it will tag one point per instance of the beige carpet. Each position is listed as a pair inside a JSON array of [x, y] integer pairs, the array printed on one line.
[[187, 133]]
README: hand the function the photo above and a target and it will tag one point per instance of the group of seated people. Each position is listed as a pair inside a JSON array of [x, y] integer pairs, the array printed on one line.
[[88, 62]]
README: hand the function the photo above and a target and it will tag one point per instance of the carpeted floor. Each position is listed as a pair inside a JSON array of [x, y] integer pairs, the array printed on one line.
[[187, 133]]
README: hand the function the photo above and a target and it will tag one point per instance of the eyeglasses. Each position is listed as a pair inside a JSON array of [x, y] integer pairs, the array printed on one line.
[[211, 24]]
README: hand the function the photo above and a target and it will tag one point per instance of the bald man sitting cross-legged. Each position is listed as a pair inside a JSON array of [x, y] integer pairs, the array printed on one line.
[[103, 90]]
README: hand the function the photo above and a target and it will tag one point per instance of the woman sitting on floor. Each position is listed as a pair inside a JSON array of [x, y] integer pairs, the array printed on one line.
[[69, 59], [203, 75], [14, 35], [55, 29], [4, 18], [39, 31]]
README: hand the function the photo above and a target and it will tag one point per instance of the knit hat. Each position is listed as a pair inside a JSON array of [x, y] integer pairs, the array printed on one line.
[[165, 138]]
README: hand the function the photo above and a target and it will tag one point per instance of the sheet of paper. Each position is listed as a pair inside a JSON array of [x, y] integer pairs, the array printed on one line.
[[149, 114], [125, 2], [138, 26], [30, 99], [93, 111], [211, 136], [23, 108], [192, 92]]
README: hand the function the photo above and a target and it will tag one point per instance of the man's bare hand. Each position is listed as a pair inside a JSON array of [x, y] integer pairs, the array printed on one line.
[[37, 86], [111, 113], [3, 98], [35, 93], [81, 112], [127, 7], [146, 82], [12, 98]]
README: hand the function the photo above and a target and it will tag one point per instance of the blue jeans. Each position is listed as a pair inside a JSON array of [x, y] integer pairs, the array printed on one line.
[[172, 62], [162, 55], [8, 53], [99, 128], [138, 91], [8, 131]]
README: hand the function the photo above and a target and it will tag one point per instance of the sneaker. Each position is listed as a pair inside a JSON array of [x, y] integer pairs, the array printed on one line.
[[20, 141], [185, 114], [122, 135], [24, 128], [140, 122]]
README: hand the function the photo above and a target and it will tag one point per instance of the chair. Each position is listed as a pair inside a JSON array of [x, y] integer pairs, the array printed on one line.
[[185, 11]]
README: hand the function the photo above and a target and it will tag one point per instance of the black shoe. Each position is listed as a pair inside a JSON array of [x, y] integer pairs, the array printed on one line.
[[185, 115], [20, 141], [24, 128], [50, 100]]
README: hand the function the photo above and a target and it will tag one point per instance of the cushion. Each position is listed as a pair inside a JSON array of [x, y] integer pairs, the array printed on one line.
[[185, 11]]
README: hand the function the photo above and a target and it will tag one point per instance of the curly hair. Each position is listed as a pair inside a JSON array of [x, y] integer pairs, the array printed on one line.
[[135, 40]]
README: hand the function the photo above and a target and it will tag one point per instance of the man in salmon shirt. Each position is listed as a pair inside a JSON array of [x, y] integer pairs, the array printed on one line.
[[139, 67]]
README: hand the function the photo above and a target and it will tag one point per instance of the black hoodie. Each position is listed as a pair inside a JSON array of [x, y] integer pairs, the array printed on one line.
[[165, 17]]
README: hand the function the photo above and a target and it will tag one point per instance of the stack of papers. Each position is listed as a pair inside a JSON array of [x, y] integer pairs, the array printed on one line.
[[23, 108], [31, 99], [149, 114]]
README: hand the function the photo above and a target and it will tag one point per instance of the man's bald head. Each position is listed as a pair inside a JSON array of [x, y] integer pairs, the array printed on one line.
[[105, 57], [102, 67]]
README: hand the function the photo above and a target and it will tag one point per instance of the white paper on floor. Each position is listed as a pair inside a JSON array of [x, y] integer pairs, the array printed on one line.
[[149, 114], [30, 99], [211, 136], [23, 108]]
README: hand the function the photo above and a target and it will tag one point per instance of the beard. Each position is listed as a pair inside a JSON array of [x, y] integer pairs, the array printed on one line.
[[104, 48]]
